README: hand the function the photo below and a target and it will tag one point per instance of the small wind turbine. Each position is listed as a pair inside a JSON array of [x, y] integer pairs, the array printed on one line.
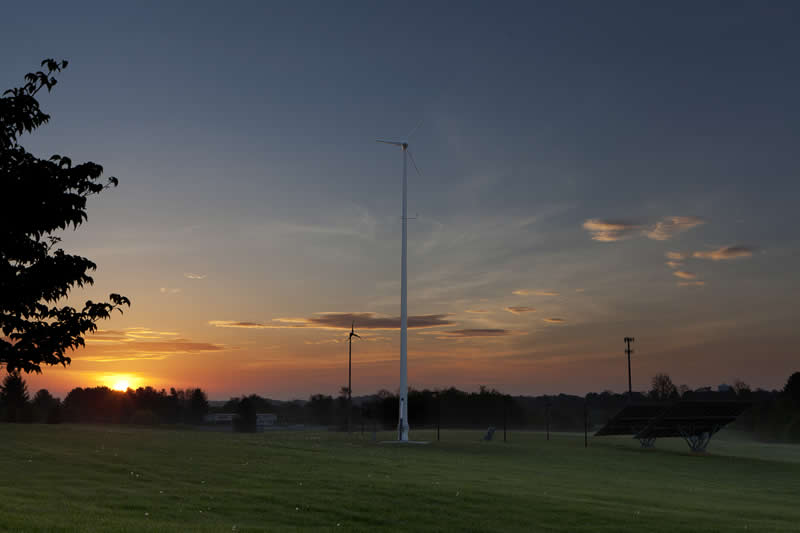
[[350, 373], [402, 426]]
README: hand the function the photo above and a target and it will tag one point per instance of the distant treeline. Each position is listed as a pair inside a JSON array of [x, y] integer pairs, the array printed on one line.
[[775, 414], [101, 405]]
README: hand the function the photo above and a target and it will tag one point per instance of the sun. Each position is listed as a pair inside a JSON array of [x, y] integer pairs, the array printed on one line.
[[120, 382]]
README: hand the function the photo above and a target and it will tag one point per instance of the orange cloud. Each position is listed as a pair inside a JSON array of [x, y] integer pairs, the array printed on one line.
[[519, 309], [684, 275], [668, 227], [555, 320], [676, 256], [609, 230], [674, 264], [473, 333], [107, 346], [235, 324], [664, 229], [528, 292], [726, 252], [190, 275], [476, 311], [691, 283], [342, 321]]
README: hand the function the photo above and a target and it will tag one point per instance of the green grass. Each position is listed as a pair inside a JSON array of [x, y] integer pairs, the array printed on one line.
[[92, 478]]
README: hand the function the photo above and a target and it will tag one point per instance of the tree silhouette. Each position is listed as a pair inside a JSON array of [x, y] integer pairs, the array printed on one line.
[[663, 388], [46, 408], [246, 417], [43, 197], [14, 398], [741, 388], [198, 406], [792, 389]]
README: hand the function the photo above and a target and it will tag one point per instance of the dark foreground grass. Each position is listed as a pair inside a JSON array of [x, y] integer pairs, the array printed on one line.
[[87, 478]]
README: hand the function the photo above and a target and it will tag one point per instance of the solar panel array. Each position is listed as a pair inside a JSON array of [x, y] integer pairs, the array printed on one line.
[[632, 419], [695, 421], [693, 418]]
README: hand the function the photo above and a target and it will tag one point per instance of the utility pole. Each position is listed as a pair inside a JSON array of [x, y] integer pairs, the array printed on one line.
[[350, 374], [628, 341]]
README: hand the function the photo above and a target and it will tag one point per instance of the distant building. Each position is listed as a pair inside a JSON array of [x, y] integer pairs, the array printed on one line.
[[219, 418], [263, 420]]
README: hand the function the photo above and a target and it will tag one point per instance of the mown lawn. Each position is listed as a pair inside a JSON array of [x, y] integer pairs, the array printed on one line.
[[92, 478]]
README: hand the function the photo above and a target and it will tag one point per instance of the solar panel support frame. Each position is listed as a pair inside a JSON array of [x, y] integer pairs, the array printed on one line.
[[648, 442]]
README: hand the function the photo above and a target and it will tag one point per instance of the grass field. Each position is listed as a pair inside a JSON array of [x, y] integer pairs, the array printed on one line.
[[90, 478]]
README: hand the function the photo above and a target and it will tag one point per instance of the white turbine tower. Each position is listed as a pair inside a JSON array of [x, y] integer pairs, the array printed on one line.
[[402, 424]]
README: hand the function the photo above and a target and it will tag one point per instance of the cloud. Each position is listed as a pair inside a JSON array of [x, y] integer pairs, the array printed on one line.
[[341, 321], [674, 264], [473, 333], [609, 230], [190, 275], [691, 283], [167, 290], [555, 320], [130, 334], [726, 252], [326, 341], [134, 344], [520, 309], [580, 290], [476, 311], [234, 324], [615, 230], [684, 275], [528, 292], [668, 227], [676, 256]]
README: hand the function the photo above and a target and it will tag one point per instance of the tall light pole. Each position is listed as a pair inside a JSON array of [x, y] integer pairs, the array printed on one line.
[[402, 425], [628, 341]]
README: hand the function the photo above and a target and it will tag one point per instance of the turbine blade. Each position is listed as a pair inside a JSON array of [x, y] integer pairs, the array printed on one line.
[[356, 335], [414, 162], [415, 129], [389, 142]]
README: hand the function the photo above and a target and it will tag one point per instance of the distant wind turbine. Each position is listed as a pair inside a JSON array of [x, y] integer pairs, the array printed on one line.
[[350, 373], [402, 425]]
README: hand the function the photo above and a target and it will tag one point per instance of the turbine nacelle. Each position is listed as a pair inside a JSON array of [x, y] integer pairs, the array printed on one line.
[[403, 145]]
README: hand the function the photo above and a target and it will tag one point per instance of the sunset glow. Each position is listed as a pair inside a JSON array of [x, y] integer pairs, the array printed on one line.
[[567, 198]]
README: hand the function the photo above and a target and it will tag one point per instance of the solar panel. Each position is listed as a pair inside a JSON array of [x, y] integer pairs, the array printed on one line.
[[632, 419], [693, 418], [695, 421]]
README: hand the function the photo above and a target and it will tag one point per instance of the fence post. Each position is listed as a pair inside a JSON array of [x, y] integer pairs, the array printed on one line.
[[505, 405], [585, 423]]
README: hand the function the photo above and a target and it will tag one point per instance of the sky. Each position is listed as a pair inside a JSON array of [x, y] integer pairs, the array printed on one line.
[[588, 171]]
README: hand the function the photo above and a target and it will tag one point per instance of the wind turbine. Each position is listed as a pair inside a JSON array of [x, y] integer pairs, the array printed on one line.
[[350, 373], [402, 425]]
